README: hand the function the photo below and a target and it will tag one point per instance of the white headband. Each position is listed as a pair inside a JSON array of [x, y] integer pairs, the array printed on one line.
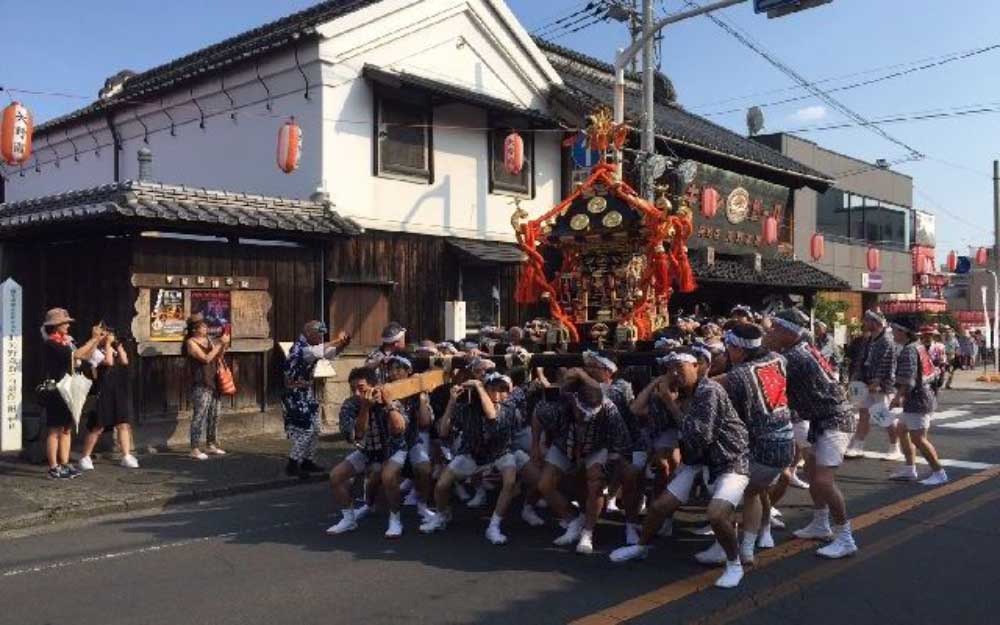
[[600, 361], [402, 360], [704, 351], [736, 341], [399, 336], [665, 343], [682, 357], [788, 325], [493, 378]]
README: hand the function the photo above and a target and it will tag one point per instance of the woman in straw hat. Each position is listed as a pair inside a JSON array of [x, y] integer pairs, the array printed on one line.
[[61, 357]]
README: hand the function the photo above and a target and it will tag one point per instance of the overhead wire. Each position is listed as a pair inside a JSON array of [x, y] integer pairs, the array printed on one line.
[[587, 12], [865, 83], [816, 91]]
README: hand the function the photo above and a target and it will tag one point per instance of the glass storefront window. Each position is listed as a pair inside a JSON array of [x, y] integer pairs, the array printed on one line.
[[850, 216], [831, 215]]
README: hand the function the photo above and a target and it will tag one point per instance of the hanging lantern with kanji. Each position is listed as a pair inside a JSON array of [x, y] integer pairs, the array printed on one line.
[[928, 265], [982, 257], [16, 128], [952, 262], [709, 202], [289, 146], [817, 246], [769, 230], [874, 259], [513, 154]]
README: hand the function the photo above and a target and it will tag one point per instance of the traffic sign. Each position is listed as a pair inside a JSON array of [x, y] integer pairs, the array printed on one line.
[[781, 8]]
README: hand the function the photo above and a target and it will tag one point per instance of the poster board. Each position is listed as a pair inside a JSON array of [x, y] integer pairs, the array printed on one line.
[[215, 307], [242, 303], [167, 315]]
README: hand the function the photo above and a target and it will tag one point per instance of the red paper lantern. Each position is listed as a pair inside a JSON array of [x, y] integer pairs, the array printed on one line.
[[817, 246], [709, 202], [982, 257], [289, 146], [513, 154], [16, 129], [952, 261], [769, 230], [928, 265], [874, 259]]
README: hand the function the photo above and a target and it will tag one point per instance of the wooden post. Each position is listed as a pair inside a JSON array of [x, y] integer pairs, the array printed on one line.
[[10, 365]]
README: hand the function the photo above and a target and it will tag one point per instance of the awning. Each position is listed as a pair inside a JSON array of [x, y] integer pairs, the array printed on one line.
[[444, 92], [781, 273], [485, 252]]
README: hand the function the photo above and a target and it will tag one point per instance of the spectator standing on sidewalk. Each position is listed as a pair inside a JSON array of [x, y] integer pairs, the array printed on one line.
[[61, 357], [109, 370], [203, 355], [302, 423], [951, 354]]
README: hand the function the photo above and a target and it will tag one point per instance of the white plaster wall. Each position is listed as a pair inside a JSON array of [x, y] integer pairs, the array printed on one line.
[[475, 44], [461, 43], [229, 154]]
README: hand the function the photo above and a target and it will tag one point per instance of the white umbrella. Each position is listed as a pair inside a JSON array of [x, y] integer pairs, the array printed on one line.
[[73, 389]]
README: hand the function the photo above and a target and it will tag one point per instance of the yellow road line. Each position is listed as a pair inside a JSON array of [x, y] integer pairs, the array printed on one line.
[[768, 596], [660, 597]]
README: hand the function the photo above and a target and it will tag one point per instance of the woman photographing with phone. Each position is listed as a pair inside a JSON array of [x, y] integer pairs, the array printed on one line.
[[109, 371], [203, 357]]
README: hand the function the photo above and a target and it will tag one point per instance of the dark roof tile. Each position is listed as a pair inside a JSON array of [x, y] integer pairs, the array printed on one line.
[[152, 203]]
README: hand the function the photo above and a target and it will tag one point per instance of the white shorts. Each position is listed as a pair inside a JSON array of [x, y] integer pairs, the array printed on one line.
[[763, 476], [557, 458], [666, 440], [915, 422], [418, 454], [830, 447], [465, 466], [801, 431], [878, 407], [360, 461], [682, 481]]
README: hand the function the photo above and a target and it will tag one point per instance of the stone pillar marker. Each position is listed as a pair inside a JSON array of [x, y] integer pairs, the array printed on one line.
[[10, 365]]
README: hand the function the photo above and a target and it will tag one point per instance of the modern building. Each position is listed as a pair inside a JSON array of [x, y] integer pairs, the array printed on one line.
[[867, 207]]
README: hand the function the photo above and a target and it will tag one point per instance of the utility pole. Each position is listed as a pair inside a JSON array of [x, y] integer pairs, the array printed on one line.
[[648, 101], [996, 264]]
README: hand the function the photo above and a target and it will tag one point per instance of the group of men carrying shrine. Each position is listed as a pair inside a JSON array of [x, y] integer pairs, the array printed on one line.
[[731, 408]]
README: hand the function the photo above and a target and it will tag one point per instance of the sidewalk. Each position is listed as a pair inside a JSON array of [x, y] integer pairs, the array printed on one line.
[[966, 381], [28, 498]]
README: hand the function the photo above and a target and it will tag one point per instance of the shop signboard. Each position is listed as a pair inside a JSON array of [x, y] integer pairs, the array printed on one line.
[[743, 203], [10, 365]]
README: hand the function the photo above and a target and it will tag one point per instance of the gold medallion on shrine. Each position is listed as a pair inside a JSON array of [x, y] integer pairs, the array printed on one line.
[[612, 219], [597, 204], [738, 205], [579, 222]]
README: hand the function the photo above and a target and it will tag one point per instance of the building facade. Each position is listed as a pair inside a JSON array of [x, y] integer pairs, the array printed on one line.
[[866, 207]]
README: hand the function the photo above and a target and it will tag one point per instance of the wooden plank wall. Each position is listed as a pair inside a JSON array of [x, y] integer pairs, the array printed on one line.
[[293, 274], [425, 272]]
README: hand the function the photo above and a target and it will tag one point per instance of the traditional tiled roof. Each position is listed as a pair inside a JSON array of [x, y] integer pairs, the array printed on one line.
[[242, 48], [775, 272], [486, 252], [149, 204], [589, 83]]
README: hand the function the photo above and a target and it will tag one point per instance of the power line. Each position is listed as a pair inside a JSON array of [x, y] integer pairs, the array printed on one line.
[[905, 118], [570, 20], [944, 210], [816, 91], [925, 63], [596, 20], [552, 14], [865, 83]]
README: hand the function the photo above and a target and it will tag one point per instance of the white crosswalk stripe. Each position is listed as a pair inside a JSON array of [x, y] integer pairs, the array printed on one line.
[[958, 464], [972, 424]]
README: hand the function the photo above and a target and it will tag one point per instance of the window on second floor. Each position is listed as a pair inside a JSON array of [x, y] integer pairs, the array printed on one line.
[[501, 181], [403, 143]]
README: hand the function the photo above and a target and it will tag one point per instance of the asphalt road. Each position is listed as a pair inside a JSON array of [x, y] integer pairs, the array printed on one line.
[[927, 555]]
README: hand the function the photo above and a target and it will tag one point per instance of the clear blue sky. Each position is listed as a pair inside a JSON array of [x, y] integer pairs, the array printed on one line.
[[72, 47]]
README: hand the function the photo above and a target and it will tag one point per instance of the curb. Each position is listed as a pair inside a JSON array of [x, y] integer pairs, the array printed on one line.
[[57, 515]]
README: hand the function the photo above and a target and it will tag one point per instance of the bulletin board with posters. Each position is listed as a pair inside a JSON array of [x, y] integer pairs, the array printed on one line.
[[239, 305]]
